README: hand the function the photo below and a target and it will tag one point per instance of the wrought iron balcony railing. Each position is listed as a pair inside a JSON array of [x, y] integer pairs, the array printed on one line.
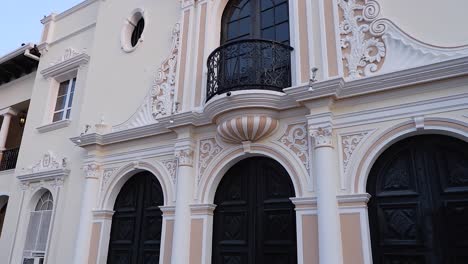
[[249, 64], [9, 158]]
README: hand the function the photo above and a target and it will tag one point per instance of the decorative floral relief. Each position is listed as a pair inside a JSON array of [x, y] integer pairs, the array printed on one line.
[[349, 143], [208, 150], [48, 162], [296, 139], [53, 183], [159, 101], [171, 166], [361, 40]]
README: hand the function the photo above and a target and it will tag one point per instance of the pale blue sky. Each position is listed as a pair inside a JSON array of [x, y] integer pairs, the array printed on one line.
[[20, 20]]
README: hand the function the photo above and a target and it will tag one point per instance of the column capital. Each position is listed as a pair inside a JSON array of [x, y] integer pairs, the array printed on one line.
[[322, 135], [8, 111], [92, 170], [202, 209], [184, 156]]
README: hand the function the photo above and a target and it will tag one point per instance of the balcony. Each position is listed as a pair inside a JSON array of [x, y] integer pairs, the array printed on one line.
[[8, 159], [249, 64]]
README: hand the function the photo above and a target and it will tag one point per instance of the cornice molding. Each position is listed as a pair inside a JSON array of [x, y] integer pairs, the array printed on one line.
[[53, 126], [338, 88], [70, 61], [48, 168]]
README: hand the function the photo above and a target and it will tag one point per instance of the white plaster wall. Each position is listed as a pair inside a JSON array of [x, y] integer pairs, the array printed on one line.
[[75, 21], [118, 81], [17, 91], [441, 23]]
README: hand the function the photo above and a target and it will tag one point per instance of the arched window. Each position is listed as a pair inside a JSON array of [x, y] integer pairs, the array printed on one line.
[[254, 51], [256, 19], [38, 230]]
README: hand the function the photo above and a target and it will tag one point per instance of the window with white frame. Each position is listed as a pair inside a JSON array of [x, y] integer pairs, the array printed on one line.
[[64, 101], [38, 230]]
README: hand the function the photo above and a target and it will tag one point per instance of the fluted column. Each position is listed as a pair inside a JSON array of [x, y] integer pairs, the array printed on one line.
[[185, 181], [89, 200], [325, 164]]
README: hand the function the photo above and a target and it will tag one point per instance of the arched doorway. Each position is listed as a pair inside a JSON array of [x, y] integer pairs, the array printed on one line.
[[254, 221], [137, 222], [419, 207]]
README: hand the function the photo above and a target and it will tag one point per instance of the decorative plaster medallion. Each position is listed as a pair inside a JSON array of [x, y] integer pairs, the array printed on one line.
[[296, 139], [361, 40], [349, 143], [159, 101], [184, 157], [171, 166], [323, 136], [209, 148], [246, 128]]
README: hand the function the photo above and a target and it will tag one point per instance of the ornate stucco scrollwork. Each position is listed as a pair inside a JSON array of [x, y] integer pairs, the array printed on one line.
[[296, 139], [159, 101], [246, 128], [208, 150], [162, 94], [171, 166], [349, 143], [361, 42]]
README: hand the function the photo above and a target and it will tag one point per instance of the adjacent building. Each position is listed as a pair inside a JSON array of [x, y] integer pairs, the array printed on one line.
[[238, 132]]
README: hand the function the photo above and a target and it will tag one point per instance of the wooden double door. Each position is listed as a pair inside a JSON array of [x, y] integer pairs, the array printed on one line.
[[254, 221], [136, 224], [419, 207]]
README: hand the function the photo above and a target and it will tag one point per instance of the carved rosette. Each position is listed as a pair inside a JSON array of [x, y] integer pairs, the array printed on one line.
[[361, 41], [246, 128], [92, 170], [184, 157], [323, 136]]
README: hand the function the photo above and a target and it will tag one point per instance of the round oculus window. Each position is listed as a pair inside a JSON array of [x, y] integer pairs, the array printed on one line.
[[132, 32]]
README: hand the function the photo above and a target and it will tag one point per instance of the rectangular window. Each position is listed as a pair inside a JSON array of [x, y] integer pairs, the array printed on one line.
[[64, 100]]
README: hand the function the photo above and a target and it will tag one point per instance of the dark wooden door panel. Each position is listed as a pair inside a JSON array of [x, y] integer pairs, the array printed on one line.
[[254, 219], [137, 222], [419, 207]]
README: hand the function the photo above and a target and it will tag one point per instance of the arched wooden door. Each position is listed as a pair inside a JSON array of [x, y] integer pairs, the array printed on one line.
[[254, 221], [419, 207], [137, 221]]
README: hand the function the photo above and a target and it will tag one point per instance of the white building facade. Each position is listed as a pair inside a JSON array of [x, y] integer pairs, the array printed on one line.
[[238, 131]]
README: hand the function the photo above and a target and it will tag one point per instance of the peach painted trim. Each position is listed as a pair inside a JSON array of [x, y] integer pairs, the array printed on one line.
[[201, 58], [183, 56], [196, 241], [168, 241], [310, 239], [332, 55], [94, 245], [352, 240], [303, 39]]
